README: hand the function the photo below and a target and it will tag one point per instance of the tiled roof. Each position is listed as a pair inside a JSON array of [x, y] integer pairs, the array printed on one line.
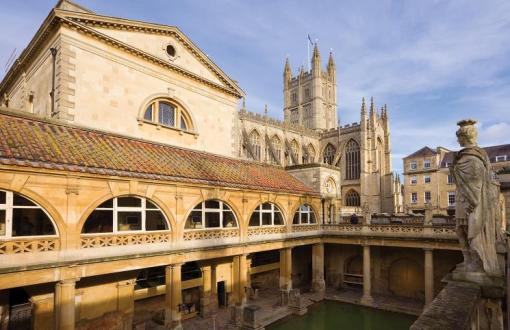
[[37, 143], [425, 151]]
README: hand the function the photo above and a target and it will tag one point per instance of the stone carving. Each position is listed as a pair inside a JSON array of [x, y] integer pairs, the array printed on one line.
[[477, 213]]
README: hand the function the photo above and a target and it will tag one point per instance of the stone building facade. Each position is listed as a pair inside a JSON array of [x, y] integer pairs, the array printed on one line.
[[133, 189], [429, 186]]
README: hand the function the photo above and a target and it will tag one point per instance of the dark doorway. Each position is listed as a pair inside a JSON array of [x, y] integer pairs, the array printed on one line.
[[222, 294], [20, 311]]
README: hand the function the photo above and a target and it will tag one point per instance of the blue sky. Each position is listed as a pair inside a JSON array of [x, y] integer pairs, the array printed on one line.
[[432, 62]]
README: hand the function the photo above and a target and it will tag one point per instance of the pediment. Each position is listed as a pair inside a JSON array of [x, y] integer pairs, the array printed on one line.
[[154, 39]]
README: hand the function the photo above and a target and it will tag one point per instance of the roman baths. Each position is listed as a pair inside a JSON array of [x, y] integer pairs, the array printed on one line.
[[137, 191]]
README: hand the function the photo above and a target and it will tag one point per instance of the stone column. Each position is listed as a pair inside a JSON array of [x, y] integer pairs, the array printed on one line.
[[205, 294], [429, 276], [367, 285], [286, 269], [318, 284], [214, 288], [64, 306], [126, 301], [173, 296], [240, 272]]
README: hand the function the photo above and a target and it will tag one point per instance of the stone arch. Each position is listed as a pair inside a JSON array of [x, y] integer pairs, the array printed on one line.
[[405, 278], [352, 198], [154, 199], [280, 206], [354, 265], [232, 206], [56, 219], [328, 153], [296, 207], [171, 98]]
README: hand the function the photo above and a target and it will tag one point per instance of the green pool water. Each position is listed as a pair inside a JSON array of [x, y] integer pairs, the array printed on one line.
[[337, 316]]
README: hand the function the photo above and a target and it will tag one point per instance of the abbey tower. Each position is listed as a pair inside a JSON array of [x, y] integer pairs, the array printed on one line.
[[310, 97]]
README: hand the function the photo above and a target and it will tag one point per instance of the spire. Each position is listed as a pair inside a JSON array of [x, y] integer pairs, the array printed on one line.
[[372, 106], [287, 70], [331, 67], [363, 107], [316, 62]]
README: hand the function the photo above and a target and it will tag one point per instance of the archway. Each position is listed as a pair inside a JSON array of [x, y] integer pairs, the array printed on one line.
[[406, 278]]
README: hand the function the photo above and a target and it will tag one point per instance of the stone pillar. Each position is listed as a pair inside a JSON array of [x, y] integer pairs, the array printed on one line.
[[240, 272], [126, 301], [173, 296], [318, 283], [429, 276], [64, 306], [367, 285], [4, 309], [214, 288], [205, 294], [286, 269]]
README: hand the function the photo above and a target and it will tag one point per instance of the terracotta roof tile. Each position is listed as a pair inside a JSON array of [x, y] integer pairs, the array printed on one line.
[[42, 144]]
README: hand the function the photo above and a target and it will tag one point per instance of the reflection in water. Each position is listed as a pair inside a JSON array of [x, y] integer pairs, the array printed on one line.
[[335, 315]]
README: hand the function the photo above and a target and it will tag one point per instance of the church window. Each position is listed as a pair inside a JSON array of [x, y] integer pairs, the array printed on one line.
[[329, 154], [125, 214], [266, 214], [309, 156], [277, 148], [352, 160], [294, 148], [255, 143], [304, 215], [19, 216], [166, 113], [294, 98], [352, 198], [211, 214], [307, 93], [294, 116]]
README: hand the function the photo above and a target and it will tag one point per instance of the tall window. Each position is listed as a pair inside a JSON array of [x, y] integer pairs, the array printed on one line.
[[427, 196], [352, 198], [426, 163], [451, 199], [277, 147], [166, 113], [414, 198], [329, 154], [413, 180], [255, 144], [211, 214], [449, 179], [294, 149], [20, 216], [266, 214], [352, 160], [309, 155], [304, 215], [125, 214], [412, 165]]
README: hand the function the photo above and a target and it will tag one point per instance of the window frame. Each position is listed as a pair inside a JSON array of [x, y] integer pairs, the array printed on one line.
[[180, 114], [115, 209], [501, 158], [449, 179], [261, 211], [427, 164], [425, 196], [414, 200], [413, 180], [450, 194], [308, 212], [9, 207], [203, 211], [425, 177], [413, 165]]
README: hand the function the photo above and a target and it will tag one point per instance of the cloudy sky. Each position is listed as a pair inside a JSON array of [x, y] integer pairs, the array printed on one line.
[[431, 62]]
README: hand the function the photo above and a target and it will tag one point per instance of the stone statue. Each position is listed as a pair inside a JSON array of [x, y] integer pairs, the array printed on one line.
[[477, 210]]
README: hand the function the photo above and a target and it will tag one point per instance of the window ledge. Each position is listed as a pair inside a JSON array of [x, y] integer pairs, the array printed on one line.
[[142, 122]]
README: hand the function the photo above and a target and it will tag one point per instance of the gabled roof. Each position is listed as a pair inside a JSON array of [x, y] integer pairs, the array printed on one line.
[[81, 19], [27, 141], [423, 152], [492, 152]]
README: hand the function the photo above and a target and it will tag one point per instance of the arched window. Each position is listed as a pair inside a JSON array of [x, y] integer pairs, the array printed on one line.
[[277, 147], [169, 114], [266, 214], [352, 198], [352, 160], [309, 158], [294, 149], [125, 214], [211, 214], [304, 215], [329, 154], [19, 216], [255, 143]]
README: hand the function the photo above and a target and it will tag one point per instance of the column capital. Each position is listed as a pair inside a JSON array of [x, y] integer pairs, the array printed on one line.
[[68, 281], [428, 249]]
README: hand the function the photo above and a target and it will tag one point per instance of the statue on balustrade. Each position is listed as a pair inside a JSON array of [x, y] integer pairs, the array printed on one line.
[[477, 211]]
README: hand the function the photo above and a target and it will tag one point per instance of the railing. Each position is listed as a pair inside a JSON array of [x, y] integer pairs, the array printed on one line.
[[304, 228], [29, 245], [102, 240], [210, 234], [266, 230]]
